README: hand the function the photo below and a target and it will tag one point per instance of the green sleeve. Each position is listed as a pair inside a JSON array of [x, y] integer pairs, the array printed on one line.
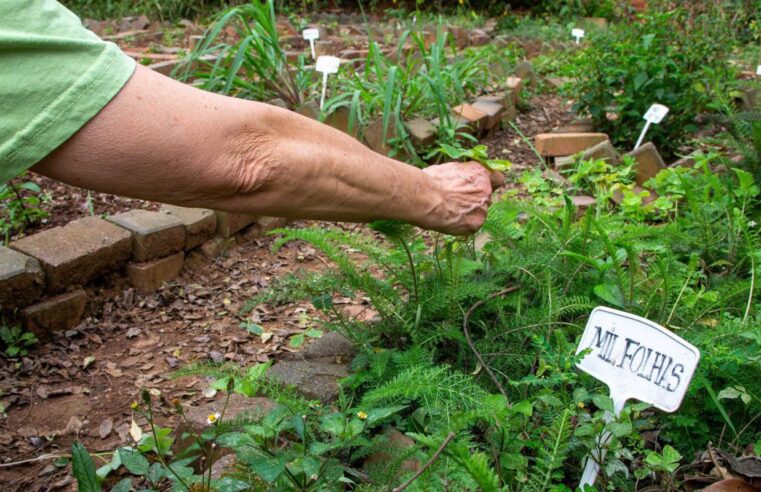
[[55, 75]]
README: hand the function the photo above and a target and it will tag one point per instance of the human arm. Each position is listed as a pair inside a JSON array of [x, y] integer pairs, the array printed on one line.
[[162, 140]]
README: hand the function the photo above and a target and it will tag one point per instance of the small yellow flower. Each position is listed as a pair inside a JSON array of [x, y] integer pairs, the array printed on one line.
[[134, 405], [581, 404], [213, 418], [362, 415]]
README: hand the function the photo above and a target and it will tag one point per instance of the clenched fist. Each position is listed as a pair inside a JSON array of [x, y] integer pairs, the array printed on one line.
[[464, 193]]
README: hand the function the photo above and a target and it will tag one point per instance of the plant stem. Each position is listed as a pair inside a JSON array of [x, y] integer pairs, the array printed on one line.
[[412, 269], [427, 465]]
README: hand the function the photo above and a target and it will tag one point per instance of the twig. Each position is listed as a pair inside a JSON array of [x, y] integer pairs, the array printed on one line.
[[35, 459], [466, 331], [427, 465]]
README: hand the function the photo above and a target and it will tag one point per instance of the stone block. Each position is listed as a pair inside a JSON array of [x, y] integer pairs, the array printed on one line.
[[77, 252], [310, 109], [648, 162], [422, 133], [217, 246], [559, 144], [331, 344], [353, 54], [59, 313], [479, 37], [154, 234], [147, 277], [374, 135], [687, 161], [475, 118], [339, 119], [525, 71], [22, 280], [603, 150], [585, 125], [506, 100], [228, 223], [200, 223], [493, 110], [564, 161], [514, 86], [315, 379], [582, 203]]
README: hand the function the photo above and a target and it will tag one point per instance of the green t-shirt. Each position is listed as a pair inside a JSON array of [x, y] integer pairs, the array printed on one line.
[[55, 75]]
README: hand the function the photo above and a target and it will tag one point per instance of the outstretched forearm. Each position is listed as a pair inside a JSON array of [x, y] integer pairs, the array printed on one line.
[[162, 140]]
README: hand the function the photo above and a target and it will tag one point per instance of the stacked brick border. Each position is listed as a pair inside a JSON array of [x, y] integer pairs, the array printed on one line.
[[42, 276]]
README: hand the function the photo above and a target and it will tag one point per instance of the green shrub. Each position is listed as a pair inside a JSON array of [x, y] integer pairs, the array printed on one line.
[[624, 71]]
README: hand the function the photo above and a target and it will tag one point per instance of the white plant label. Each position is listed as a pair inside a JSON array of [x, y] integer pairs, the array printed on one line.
[[654, 114], [758, 70], [577, 34], [326, 65], [310, 35], [637, 359]]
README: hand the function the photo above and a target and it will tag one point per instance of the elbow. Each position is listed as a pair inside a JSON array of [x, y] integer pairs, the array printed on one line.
[[250, 158]]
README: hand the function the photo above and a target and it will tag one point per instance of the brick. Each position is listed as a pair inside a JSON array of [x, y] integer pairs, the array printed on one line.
[[479, 37], [514, 87], [558, 144], [200, 223], [603, 150], [77, 252], [686, 161], [147, 277], [506, 100], [324, 47], [648, 162], [22, 280], [475, 119], [525, 71], [59, 313], [352, 54], [310, 109], [585, 125], [154, 234], [462, 124], [228, 223], [421, 132], [339, 119], [217, 246], [374, 135], [493, 111], [561, 162]]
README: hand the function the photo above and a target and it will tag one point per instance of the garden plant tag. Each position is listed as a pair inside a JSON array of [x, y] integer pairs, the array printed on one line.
[[326, 65], [637, 359], [310, 35], [655, 114], [578, 34], [758, 70]]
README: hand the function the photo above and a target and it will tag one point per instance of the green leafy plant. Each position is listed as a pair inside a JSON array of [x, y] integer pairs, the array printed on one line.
[[16, 340], [21, 207], [622, 72]]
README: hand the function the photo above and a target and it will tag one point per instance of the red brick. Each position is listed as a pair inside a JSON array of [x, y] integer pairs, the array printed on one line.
[[148, 277], [648, 162], [476, 119], [77, 252], [59, 313], [559, 144], [228, 223]]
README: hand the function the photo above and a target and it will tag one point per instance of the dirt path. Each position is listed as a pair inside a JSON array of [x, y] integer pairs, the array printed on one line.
[[59, 393]]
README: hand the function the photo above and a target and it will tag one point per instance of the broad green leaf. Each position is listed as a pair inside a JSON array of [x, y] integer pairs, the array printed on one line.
[[134, 462], [524, 407], [610, 293], [124, 485], [83, 469]]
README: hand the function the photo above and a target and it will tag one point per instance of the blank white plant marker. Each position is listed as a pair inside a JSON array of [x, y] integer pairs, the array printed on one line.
[[637, 359], [310, 35], [655, 114], [758, 70], [578, 34], [326, 65]]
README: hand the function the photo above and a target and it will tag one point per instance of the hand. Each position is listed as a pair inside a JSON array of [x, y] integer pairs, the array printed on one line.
[[464, 191]]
